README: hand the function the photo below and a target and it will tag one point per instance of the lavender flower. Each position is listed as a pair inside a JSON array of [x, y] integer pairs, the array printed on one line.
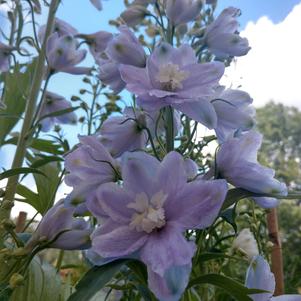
[[97, 4], [61, 230], [61, 27], [97, 42], [234, 112], [5, 52], [63, 55], [149, 214], [124, 133], [222, 38], [183, 11], [237, 163], [89, 166], [122, 49], [259, 276], [134, 15], [55, 103], [173, 77]]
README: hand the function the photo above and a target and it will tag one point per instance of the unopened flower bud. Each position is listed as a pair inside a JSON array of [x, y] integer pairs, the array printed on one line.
[[81, 119], [134, 15], [86, 80], [57, 128], [7, 204], [246, 243], [16, 280], [75, 98], [82, 91], [8, 224]]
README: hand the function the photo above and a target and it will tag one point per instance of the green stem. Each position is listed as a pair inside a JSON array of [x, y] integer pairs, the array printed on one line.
[[169, 129], [23, 138], [60, 260]]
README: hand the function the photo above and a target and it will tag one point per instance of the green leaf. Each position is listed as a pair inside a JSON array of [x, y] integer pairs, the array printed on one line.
[[59, 113], [213, 256], [18, 171], [229, 215], [45, 160], [17, 85], [42, 283], [30, 197], [95, 279], [232, 287], [234, 195], [42, 145], [47, 187]]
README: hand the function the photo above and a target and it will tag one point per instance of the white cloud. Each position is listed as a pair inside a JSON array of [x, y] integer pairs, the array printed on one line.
[[271, 70]]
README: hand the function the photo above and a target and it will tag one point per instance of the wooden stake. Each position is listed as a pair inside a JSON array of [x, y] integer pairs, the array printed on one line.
[[21, 220], [277, 262]]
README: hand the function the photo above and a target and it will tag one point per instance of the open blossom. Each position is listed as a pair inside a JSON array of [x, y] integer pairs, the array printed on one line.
[[55, 103], [122, 49], [5, 52], [149, 214], [234, 112], [246, 242], [88, 166], [63, 55], [62, 230], [222, 38], [259, 276], [183, 11], [61, 27], [124, 133], [237, 163], [173, 77]]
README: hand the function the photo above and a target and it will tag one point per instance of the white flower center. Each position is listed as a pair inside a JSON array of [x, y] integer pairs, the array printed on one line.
[[149, 214], [171, 77]]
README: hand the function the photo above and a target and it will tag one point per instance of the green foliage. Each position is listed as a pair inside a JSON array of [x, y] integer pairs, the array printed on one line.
[[281, 149], [42, 283], [17, 85], [95, 279]]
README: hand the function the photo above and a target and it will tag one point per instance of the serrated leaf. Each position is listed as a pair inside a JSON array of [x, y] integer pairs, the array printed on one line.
[[95, 279], [17, 85]]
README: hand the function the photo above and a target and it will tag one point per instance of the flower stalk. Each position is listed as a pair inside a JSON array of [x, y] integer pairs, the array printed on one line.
[[24, 136]]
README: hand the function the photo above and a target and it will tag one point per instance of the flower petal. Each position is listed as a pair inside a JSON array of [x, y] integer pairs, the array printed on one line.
[[172, 285], [121, 241], [171, 176], [166, 248], [113, 200], [259, 276], [198, 204], [201, 111], [138, 171]]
